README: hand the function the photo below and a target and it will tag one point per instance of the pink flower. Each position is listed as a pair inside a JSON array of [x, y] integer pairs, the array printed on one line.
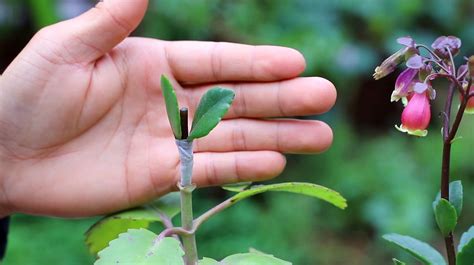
[[470, 103], [470, 106], [417, 115], [404, 83]]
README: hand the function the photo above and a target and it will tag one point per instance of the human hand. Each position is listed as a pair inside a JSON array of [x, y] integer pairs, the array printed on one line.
[[83, 127]]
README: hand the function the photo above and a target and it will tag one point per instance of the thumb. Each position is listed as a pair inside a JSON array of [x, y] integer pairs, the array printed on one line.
[[94, 33]]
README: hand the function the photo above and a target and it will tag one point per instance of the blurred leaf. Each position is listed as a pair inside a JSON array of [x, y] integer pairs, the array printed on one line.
[[139, 246], [253, 259], [237, 187], [109, 227], [208, 261], [466, 248], [446, 216], [455, 196], [422, 251], [307, 189], [212, 107], [172, 107], [397, 262]]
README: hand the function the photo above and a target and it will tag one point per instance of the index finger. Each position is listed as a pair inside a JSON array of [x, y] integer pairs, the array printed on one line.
[[194, 62]]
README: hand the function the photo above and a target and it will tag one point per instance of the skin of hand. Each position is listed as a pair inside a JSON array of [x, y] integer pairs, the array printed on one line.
[[83, 127]]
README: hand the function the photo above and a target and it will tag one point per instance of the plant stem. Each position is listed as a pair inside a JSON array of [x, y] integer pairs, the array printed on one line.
[[189, 241], [186, 188], [448, 136]]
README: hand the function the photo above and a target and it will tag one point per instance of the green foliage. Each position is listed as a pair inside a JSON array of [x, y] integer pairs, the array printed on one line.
[[455, 196], [308, 189], [213, 106], [109, 227], [445, 215], [237, 187], [422, 251], [253, 259], [139, 246], [172, 107], [466, 248], [43, 12]]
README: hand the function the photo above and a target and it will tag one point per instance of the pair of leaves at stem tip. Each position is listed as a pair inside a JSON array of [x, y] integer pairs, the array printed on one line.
[[213, 106]]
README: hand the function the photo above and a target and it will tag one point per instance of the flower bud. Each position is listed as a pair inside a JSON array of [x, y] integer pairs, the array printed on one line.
[[417, 115], [442, 43], [390, 64]]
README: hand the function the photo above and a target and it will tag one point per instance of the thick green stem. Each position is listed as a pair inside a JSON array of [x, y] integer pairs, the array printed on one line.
[[186, 188], [189, 241]]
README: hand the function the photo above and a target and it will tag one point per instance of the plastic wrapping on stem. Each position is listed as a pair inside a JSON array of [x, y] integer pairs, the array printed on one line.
[[185, 149]]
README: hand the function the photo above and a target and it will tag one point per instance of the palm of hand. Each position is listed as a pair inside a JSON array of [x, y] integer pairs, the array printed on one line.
[[85, 137]]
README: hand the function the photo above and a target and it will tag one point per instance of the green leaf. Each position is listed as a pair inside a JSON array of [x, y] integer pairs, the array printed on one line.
[[208, 261], [237, 187], [108, 228], [212, 107], [172, 107], [455, 196], [308, 189], [139, 246], [253, 259], [397, 262], [422, 251], [466, 248], [446, 216]]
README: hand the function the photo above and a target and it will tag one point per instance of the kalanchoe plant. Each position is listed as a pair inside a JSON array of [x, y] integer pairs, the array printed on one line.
[[122, 238], [414, 86]]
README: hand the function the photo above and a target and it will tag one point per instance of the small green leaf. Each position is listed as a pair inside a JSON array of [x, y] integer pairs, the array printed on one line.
[[253, 259], [446, 216], [108, 228], [422, 251], [455, 196], [139, 246], [208, 261], [212, 107], [307, 189], [397, 262], [172, 107], [237, 187], [466, 248]]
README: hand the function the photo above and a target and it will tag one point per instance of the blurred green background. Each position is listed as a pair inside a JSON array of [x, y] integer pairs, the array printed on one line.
[[389, 179]]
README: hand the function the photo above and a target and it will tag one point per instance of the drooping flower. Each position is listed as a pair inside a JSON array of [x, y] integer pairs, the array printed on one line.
[[470, 103], [470, 106], [442, 43], [390, 64], [404, 84], [417, 114]]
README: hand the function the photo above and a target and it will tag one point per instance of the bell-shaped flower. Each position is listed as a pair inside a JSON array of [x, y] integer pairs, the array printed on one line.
[[470, 106], [417, 114], [470, 103], [404, 84]]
